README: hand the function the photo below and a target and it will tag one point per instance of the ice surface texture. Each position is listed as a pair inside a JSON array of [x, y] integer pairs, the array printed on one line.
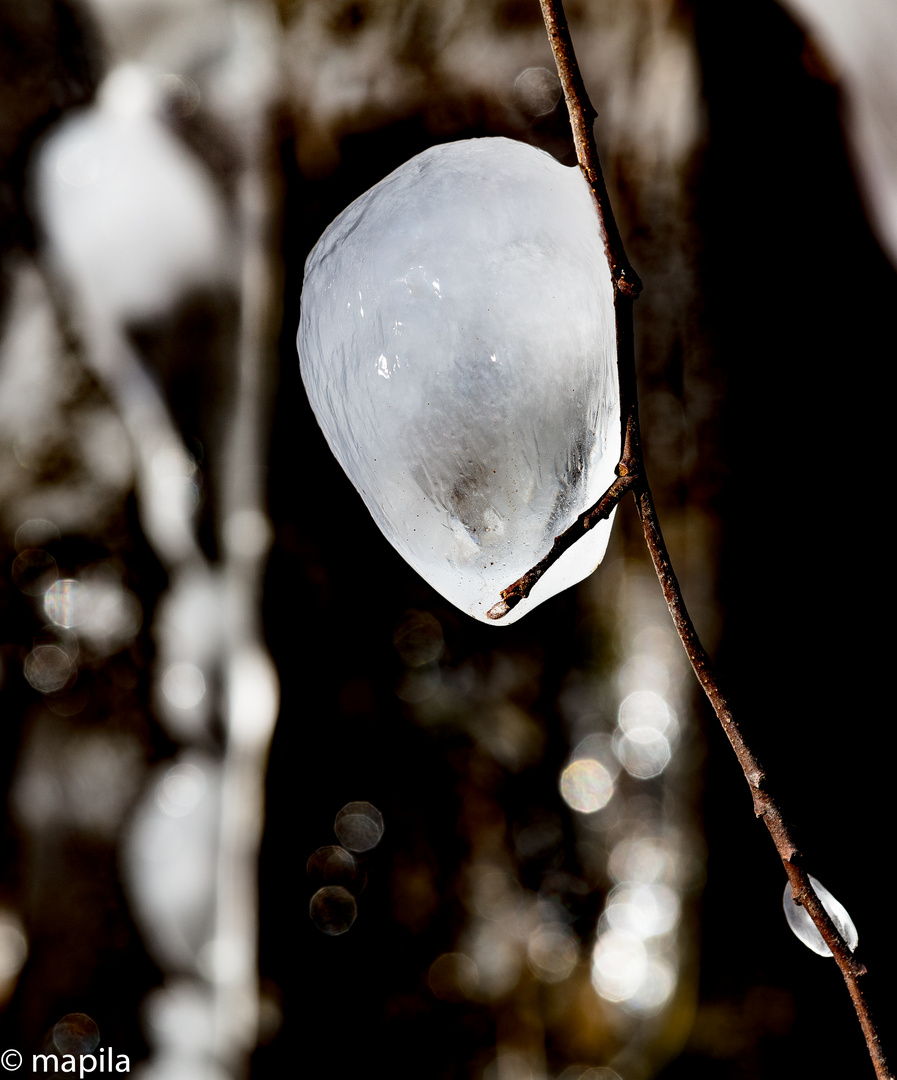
[[457, 343]]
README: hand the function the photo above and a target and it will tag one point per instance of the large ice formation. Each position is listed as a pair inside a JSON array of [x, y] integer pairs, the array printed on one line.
[[457, 343]]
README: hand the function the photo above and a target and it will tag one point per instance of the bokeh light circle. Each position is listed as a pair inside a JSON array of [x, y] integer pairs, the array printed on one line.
[[453, 977], [552, 951], [359, 826], [61, 602], [586, 786], [333, 909], [48, 668], [76, 1033], [333, 865]]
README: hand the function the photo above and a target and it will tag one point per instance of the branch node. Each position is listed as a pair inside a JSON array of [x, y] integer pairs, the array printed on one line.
[[755, 778], [628, 282]]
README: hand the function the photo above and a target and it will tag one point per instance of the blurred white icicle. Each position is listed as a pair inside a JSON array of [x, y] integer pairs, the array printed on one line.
[[805, 929], [132, 215], [133, 220], [170, 858], [859, 40]]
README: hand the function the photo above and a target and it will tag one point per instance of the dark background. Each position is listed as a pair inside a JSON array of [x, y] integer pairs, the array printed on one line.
[[786, 325]]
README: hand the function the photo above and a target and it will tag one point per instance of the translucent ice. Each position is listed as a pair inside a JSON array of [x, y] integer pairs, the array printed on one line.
[[804, 927], [457, 343]]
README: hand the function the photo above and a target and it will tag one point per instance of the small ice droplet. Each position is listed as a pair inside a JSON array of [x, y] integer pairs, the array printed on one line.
[[804, 928]]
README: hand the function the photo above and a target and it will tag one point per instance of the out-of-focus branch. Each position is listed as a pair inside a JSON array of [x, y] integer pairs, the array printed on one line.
[[631, 476], [252, 683]]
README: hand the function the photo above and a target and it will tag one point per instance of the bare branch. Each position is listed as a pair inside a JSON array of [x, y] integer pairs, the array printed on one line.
[[631, 476], [582, 118], [765, 805]]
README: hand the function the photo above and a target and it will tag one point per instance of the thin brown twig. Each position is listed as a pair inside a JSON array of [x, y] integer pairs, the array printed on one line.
[[582, 119], [631, 477], [765, 805]]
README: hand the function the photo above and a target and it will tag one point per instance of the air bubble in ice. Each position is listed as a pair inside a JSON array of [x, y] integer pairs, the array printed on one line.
[[804, 927], [475, 403]]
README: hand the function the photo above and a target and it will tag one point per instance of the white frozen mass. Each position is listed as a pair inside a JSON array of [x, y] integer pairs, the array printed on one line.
[[129, 213], [457, 344]]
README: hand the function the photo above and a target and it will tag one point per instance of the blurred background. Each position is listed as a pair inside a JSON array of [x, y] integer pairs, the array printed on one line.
[[504, 853]]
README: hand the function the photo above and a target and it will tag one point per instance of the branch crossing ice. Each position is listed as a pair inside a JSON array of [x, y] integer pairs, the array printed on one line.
[[804, 927], [457, 343]]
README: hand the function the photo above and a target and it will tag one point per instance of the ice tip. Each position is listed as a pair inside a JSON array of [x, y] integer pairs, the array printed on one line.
[[498, 611]]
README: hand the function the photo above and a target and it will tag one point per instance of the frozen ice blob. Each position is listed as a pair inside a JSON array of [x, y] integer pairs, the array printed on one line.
[[457, 344]]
